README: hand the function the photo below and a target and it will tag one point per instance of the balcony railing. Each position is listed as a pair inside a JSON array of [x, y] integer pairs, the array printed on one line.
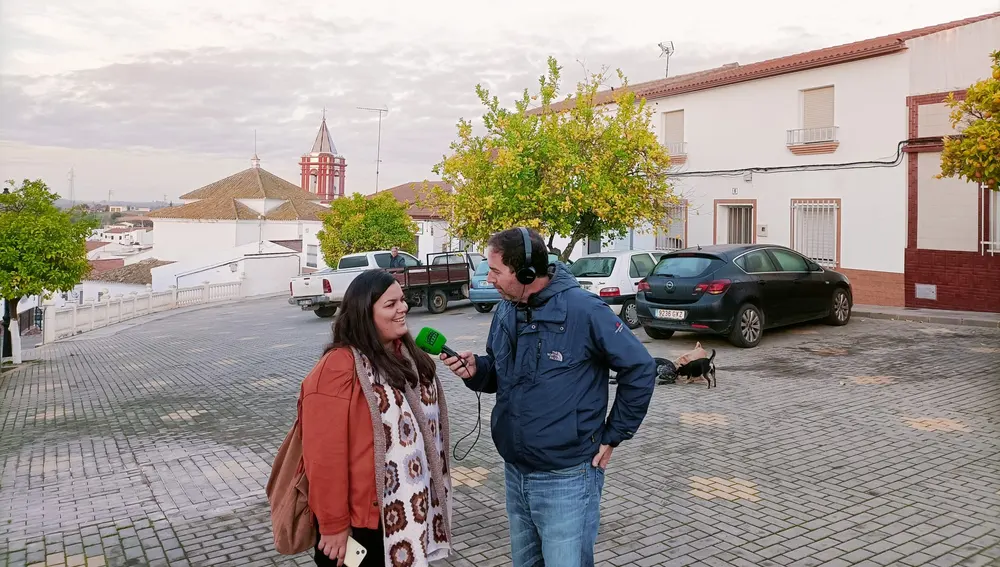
[[804, 136], [677, 148]]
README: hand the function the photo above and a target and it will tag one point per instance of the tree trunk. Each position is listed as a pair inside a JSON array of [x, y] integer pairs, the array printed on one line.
[[552, 238], [570, 247]]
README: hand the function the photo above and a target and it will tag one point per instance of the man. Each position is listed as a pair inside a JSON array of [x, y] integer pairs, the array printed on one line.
[[548, 356], [396, 261]]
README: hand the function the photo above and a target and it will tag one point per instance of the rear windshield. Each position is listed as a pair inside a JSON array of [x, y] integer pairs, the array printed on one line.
[[483, 268], [687, 266], [595, 267]]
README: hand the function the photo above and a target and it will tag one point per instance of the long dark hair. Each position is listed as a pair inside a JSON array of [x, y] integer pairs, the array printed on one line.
[[355, 327]]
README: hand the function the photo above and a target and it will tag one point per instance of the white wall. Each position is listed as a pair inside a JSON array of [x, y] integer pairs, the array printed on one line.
[[952, 59], [182, 239], [744, 125], [88, 290], [212, 266], [269, 274]]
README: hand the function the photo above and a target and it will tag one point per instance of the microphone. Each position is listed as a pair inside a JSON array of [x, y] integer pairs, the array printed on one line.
[[433, 342]]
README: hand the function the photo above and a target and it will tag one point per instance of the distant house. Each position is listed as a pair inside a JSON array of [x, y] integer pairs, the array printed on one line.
[[432, 228]]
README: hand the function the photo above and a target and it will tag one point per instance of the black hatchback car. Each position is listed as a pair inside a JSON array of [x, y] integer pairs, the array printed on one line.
[[739, 290]]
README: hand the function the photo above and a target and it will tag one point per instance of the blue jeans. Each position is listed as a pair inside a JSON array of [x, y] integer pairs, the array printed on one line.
[[554, 515]]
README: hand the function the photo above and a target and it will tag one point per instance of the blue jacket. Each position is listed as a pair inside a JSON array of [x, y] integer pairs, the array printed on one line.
[[552, 382]]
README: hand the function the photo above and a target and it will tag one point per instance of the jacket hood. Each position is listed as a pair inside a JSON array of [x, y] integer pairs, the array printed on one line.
[[562, 280]]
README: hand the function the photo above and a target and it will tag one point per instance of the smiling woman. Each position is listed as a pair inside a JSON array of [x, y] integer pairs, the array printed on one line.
[[375, 436]]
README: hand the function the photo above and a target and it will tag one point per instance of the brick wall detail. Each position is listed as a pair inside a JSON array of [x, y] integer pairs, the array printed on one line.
[[876, 288]]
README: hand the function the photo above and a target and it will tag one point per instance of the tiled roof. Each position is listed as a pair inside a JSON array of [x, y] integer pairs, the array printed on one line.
[[252, 183], [139, 273], [297, 210], [295, 245], [219, 208], [735, 73], [324, 142], [409, 192], [100, 266], [94, 245]]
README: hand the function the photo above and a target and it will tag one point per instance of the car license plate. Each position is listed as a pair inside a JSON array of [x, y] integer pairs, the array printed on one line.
[[305, 302], [586, 287], [485, 284], [670, 314]]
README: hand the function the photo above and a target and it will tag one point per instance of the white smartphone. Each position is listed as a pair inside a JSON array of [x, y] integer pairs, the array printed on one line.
[[355, 553]]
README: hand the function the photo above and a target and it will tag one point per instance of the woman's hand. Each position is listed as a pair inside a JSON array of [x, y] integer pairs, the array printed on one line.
[[335, 546]]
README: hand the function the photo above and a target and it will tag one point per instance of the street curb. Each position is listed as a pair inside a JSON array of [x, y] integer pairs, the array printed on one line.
[[939, 319]]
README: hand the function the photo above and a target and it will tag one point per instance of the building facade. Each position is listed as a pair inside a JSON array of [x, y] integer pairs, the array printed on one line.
[[323, 170], [833, 153]]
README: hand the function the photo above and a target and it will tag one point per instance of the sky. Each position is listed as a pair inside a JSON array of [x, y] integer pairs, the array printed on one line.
[[150, 100]]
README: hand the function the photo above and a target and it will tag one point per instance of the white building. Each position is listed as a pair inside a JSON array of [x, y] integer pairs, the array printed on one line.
[[241, 214], [818, 151]]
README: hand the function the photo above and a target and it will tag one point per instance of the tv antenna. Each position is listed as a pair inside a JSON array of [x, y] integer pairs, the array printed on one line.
[[378, 144], [666, 50]]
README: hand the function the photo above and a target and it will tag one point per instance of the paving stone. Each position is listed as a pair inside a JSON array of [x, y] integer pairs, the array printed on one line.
[[151, 445]]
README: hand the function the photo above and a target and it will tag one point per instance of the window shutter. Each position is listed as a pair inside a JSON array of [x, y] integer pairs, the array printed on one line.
[[817, 108], [673, 127]]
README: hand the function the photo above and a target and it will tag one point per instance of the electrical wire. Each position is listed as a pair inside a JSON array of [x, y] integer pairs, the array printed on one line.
[[894, 161]]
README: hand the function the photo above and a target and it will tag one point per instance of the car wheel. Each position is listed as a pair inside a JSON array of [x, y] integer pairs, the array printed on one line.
[[325, 312], [748, 326], [658, 334], [630, 314], [483, 307], [840, 309], [437, 301]]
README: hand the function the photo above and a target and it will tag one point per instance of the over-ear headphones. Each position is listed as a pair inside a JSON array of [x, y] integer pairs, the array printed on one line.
[[526, 273]]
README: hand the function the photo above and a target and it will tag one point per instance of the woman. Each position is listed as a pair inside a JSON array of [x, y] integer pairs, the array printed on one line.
[[375, 435]]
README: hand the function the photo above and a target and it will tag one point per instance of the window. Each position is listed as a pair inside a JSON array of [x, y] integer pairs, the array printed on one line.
[[313, 182], [312, 255], [640, 266], [673, 133], [382, 260], [991, 200], [817, 118], [593, 267], [686, 266], [739, 224], [789, 261], [353, 262], [815, 230], [673, 233], [483, 268], [756, 262], [409, 261]]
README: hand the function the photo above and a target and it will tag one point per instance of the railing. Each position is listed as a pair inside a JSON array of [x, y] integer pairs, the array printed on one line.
[[811, 136], [677, 148], [990, 208], [62, 322]]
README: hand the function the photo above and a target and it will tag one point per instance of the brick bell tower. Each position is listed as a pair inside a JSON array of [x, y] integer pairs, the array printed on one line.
[[323, 169]]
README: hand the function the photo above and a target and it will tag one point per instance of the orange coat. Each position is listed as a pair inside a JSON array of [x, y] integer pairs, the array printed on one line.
[[338, 446]]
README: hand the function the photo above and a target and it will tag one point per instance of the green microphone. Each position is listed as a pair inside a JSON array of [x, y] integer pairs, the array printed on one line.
[[433, 342]]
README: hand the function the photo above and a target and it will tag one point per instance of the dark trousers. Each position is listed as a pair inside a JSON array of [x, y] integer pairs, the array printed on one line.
[[371, 540]]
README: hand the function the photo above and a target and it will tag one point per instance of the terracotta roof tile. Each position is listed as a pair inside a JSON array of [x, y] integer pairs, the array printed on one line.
[[139, 273], [100, 266], [297, 210], [409, 193], [735, 73], [252, 183], [94, 245], [295, 245], [219, 208]]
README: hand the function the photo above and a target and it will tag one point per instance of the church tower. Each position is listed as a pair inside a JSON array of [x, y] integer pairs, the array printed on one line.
[[323, 169]]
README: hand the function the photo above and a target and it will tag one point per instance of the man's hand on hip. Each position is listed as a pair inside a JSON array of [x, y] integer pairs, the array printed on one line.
[[603, 456], [463, 365]]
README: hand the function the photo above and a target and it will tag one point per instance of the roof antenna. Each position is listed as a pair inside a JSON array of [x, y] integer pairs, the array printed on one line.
[[666, 50]]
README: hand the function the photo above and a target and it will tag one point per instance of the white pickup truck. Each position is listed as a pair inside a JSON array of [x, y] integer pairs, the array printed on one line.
[[446, 276]]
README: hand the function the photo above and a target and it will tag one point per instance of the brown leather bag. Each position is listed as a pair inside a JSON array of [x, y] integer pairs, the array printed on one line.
[[292, 522]]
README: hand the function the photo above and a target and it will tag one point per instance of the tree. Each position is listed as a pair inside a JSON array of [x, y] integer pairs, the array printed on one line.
[[589, 168], [974, 155], [42, 248], [360, 224]]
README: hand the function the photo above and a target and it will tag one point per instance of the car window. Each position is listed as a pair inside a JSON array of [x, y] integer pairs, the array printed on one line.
[[483, 269], [409, 261], [642, 264], [354, 262], [789, 261], [448, 259], [756, 262], [593, 267], [686, 266], [382, 260]]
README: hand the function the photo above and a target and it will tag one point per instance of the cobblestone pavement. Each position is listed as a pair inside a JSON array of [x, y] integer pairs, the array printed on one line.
[[872, 444]]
